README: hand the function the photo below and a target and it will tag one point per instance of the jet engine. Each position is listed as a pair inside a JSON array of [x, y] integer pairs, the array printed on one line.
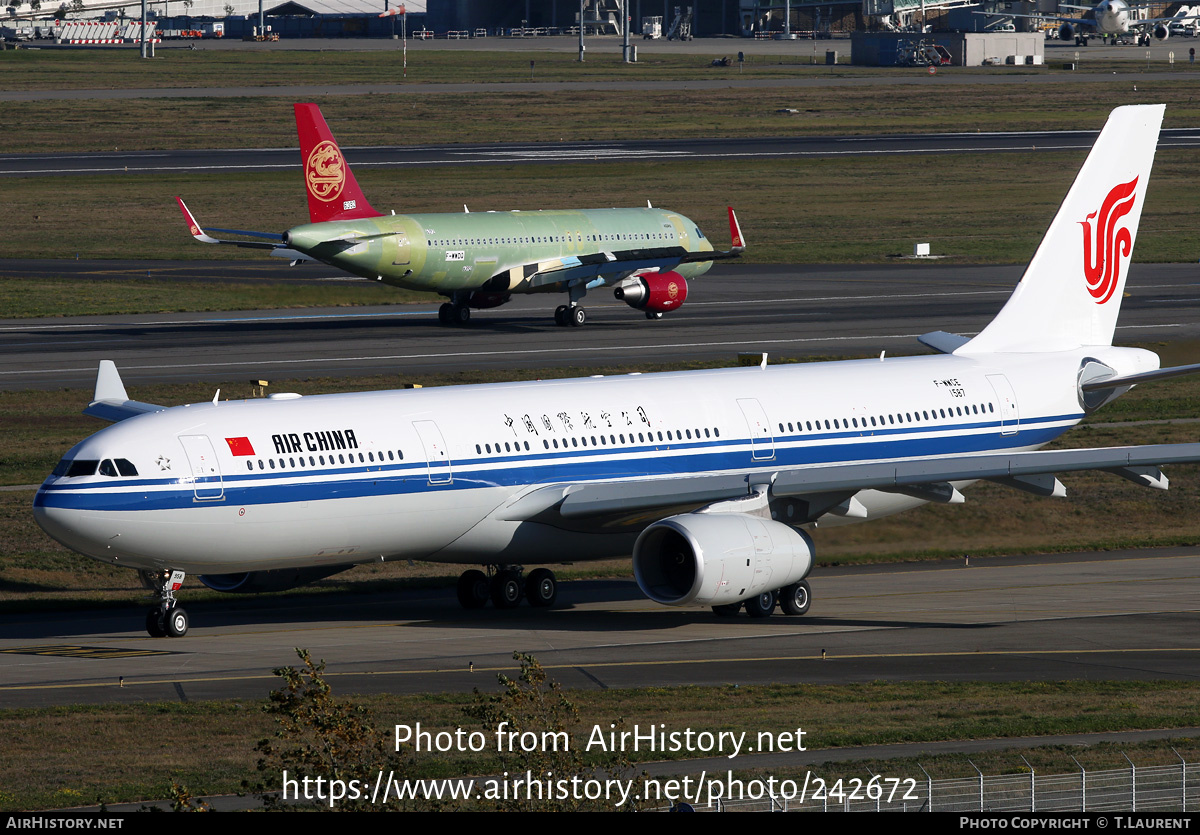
[[1162, 31], [1066, 32], [654, 292], [278, 579], [714, 559]]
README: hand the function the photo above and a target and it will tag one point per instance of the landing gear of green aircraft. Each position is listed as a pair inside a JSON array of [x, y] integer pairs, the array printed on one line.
[[570, 314], [454, 314], [167, 618]]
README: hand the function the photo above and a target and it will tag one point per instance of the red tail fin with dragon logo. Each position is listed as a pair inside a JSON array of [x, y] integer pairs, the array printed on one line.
[[333, 193]]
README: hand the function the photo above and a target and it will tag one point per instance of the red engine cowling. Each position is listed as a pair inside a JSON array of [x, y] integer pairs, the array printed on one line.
[[655, 292]]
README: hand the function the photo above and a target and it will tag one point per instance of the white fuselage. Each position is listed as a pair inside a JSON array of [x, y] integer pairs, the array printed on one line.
[[1112, 17], [434, 473]]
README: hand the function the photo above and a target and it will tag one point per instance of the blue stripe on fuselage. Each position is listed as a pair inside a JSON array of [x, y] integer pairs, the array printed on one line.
[[550, 466]]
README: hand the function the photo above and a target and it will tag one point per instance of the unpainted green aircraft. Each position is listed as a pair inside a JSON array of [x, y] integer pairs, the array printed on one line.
[[479, 259]]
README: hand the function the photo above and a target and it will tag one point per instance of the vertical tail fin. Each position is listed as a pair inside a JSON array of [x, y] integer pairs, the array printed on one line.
[[333, 193], [1071, 292]]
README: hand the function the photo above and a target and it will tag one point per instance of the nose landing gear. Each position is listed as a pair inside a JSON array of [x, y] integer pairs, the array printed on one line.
[[167, 619]]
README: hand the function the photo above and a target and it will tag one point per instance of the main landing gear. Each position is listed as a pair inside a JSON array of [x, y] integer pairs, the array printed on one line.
[[792, 600], [570, 315], [454, 313], [167, 619], [506, 586]]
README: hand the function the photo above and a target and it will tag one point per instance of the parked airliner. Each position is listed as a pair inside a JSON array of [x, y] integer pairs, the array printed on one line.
[[1109, 18], [479, 259], [717, 482]]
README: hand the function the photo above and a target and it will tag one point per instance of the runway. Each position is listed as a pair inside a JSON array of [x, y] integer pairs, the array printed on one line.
[[1119, 615], [252, 160], [787, 311]]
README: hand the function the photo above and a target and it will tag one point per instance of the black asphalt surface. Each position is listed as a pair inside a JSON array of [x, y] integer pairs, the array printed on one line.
[[785, 310], [1122, 615], [210, 161]]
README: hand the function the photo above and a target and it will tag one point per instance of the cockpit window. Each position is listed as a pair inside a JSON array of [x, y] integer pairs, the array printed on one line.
[[112, 467], [82, 466]]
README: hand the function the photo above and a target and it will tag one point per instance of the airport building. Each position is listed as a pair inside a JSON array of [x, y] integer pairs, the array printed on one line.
[[682, 19]]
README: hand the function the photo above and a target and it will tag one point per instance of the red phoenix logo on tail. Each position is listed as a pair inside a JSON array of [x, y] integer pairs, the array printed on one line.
[[1102, 270], [325, 171]]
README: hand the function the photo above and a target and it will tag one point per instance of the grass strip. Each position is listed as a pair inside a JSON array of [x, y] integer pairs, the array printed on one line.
[[425, 63], [562, 115], [73, 756], [976, 208]]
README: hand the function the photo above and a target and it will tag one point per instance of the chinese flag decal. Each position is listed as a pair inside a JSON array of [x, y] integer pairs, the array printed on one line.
[[240, 446]]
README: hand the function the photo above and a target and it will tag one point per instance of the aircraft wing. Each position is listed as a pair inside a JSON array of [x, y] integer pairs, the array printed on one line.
[[828, 486], [111, 402], [1047, 18], [276, 246], [617, 264]]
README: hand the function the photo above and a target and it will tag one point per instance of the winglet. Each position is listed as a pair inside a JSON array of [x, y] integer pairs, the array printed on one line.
[[735, 231], [197, 233], [109, 385], [111, 402]]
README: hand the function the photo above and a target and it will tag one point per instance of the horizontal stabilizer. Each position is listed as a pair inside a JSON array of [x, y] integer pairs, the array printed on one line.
[[1145, 377], [943, 342], [203, 237]]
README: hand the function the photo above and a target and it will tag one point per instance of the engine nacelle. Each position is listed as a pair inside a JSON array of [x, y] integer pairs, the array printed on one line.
[[1066, 32], [1162, 32], [655, 292], [278, 579], [712, 559]]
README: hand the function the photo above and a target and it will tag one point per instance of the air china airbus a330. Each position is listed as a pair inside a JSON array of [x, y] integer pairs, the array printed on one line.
[[710, 479], [479, 259]]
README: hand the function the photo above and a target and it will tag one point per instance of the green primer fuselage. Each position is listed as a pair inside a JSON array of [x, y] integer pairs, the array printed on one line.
[[506, 251]]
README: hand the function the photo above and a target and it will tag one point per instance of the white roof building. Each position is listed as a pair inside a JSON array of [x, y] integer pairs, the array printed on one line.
[[217, 8]]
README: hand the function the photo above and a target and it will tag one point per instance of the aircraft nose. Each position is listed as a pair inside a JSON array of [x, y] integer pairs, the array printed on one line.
[[70, 526]]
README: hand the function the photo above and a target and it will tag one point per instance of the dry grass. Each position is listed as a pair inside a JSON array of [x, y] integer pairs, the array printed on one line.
[[418, 119], [61, 757], [977, 208]]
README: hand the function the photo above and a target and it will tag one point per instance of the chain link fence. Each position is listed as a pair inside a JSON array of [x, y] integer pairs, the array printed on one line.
[[1160, 788]]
